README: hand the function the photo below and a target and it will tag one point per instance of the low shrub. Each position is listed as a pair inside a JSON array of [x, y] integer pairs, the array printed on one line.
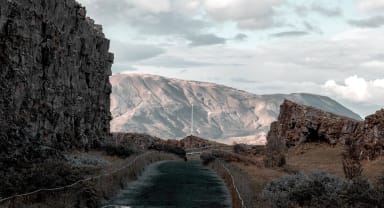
[[352, 168], [119, 151], [274, 159], [208, 157], [169, 149], [240, 148], [320, 189], [300, 190], [42, 175]]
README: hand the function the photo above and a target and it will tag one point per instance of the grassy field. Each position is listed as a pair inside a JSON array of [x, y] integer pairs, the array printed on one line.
[[305, 158]]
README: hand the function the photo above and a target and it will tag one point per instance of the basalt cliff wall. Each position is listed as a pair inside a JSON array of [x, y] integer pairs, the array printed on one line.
[[54, 76], [299, 123]]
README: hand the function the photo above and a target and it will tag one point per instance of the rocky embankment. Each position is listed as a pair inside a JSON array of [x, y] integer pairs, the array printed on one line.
[[300, 123]]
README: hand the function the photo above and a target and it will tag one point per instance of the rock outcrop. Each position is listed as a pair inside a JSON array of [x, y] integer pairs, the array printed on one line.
[[299, 123], [54, 76], [369, 137]]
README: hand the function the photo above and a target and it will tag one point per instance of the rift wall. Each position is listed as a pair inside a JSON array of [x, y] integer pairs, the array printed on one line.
[[54, 75], [299, 123]]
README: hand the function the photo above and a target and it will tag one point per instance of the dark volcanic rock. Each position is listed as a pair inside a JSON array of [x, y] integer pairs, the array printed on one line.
[[54, 76], [370, 136], [299, 123]]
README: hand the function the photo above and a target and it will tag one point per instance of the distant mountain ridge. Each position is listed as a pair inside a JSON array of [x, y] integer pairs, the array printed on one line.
[[162, 107]]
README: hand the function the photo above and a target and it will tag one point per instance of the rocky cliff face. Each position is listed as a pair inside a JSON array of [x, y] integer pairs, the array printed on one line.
[[369, 137], [300, 123], [54, 76]]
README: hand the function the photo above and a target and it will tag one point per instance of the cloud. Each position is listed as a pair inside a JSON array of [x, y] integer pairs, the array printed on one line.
[[325, 10], [371, 5], [128, 52], [289, 34], [373, 64], [248, 14], [243, 80], [148, 5], [167, 24], [174, 62], [311, 28], [165, 17], [357, 89], [240, 37], [371, 22], [121, 68], [205, 39]]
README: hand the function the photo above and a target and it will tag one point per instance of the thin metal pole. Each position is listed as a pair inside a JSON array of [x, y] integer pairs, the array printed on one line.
[[192, 121]]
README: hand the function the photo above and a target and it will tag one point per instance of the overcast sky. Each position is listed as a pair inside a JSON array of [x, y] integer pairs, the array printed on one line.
[[328, 47]]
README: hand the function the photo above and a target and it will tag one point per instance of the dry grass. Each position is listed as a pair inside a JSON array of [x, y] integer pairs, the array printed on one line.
[[250, 177], [91, 193], [373, 169], [323, 157], [305, 158], [311, 157], [257, 178]]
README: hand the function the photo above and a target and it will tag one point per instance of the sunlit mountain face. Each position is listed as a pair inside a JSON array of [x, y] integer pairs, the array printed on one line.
[[163, 107], [329, 47]]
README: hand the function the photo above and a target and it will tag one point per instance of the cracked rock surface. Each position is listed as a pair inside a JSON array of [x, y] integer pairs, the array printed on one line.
[[54, 77], [300, 123]]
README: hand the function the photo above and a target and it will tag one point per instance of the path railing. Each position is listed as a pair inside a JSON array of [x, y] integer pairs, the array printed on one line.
[[132, 162], [233, 183]]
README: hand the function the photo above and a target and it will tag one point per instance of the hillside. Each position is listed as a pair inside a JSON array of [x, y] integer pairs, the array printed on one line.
[[162, 107]]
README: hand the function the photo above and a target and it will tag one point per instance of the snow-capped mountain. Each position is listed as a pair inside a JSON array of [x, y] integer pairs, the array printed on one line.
[[162, 107]]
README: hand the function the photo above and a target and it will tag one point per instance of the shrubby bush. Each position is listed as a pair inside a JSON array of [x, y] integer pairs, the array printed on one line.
[[169, 149], [240, 148], [210, 156], [119, 150], [43, 175], [274, 159], [320, 189], [207, 158], [352, 168], [316, 189]]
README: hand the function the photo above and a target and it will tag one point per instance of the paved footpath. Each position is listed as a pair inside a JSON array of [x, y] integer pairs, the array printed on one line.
[[175, 184]]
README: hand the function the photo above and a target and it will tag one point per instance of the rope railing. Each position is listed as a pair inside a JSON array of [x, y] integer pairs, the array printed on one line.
[[233, 184], [75, 183]]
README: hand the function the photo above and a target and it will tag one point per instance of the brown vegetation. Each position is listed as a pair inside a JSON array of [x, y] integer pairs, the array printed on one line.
[[90, 193], [194, 142], [306, 158], [210, 156]]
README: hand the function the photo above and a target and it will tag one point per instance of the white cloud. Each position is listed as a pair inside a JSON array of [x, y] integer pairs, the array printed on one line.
[[357, 89], [373, 64], [354, 88], [370, 5], [150, 6], [246, 13], [379, 83]]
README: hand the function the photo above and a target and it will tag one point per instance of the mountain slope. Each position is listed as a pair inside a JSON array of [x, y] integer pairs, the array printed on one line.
[[162, 107]]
